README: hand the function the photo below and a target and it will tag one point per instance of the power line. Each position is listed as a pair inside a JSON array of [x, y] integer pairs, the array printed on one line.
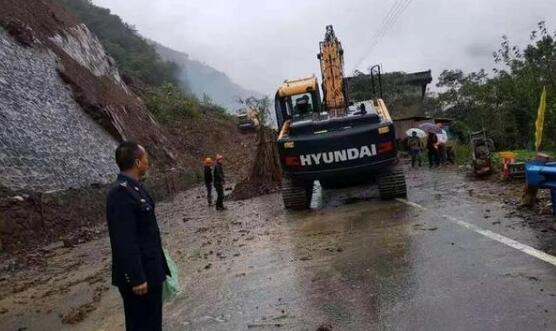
[[390, 20], [388, 24], [387, 18], [393, 19], [391, 23], [395, 7]]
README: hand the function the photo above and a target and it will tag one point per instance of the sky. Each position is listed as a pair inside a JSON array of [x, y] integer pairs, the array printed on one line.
[[260, 43]]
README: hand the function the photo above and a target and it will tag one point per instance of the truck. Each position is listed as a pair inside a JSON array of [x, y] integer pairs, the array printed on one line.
[[332, 140], [247, 121]]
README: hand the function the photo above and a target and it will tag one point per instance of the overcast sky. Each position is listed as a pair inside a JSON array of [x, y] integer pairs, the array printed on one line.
[[259, 43]]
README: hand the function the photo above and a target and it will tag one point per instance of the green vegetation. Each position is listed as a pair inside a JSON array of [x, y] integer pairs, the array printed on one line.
[[402, 97], [261, 107], [168, 103], [135, 58], [216, 110], [505, 102], [138, 61], [462, 152]]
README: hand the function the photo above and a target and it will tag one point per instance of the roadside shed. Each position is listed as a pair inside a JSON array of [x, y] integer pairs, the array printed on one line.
[[403, 124]]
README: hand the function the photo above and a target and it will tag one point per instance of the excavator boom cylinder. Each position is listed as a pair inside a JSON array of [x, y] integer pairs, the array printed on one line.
[[331, 58]]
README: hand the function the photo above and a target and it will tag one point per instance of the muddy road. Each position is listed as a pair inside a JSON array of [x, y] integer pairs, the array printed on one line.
[[455, 256]]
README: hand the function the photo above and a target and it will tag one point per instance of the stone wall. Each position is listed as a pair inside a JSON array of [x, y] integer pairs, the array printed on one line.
[[47, 142]]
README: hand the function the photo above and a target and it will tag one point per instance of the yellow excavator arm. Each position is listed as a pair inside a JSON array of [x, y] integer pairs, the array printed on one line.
[[300, 100], [331, 58]]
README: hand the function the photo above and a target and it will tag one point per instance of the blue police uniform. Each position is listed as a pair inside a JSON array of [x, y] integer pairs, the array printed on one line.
[[137, 254]]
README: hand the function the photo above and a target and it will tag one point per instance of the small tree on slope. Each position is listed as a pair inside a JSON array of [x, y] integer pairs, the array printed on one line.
[[265, 175]]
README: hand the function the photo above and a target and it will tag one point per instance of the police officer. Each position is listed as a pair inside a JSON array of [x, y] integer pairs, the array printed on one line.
[[138, 263], [208, 179], [219, 181]]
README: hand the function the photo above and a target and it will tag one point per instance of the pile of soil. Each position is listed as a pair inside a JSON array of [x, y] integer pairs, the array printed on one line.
[[265, 175], [211, 134]]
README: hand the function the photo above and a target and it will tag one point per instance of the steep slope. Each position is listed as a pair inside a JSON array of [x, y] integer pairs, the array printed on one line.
[[135, 58], [141, 63], [87, 69], [202, 79], [63, 109]]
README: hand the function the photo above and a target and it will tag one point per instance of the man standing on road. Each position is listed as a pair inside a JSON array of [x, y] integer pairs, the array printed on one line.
[[208, 179], [415, 146], [138, 263], [219, 182]]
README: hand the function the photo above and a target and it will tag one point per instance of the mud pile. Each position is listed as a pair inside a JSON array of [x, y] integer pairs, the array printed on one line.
[[213, 134]]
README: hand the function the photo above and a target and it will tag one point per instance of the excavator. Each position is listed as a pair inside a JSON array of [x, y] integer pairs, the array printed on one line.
[[332, 140]]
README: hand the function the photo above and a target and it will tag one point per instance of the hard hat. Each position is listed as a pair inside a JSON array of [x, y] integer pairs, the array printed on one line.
[[208, 161]]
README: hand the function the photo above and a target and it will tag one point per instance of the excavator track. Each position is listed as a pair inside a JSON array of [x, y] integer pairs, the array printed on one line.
[[392, 185], [296, 196]]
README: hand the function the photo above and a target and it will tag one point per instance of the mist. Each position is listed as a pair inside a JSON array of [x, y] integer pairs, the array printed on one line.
[[261, 43]]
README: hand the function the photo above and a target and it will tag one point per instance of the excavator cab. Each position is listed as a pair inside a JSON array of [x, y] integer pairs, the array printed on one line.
[[303, 107], [298, 101]]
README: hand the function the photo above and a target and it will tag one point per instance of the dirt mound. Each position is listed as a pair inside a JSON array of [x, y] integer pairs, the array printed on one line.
[[265, 174], [212, 134]]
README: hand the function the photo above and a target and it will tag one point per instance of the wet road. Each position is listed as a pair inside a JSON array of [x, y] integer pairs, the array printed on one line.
[[358, 263], [353, 262]]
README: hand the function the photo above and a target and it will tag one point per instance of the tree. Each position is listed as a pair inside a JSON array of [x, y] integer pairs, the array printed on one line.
[[505, 102], [399, 94], [265, 175], [260, 107]]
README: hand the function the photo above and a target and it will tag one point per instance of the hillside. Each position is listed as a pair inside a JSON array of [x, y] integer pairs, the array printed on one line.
[[135, 58], [201, 79], [147, 64], [64, 107]]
